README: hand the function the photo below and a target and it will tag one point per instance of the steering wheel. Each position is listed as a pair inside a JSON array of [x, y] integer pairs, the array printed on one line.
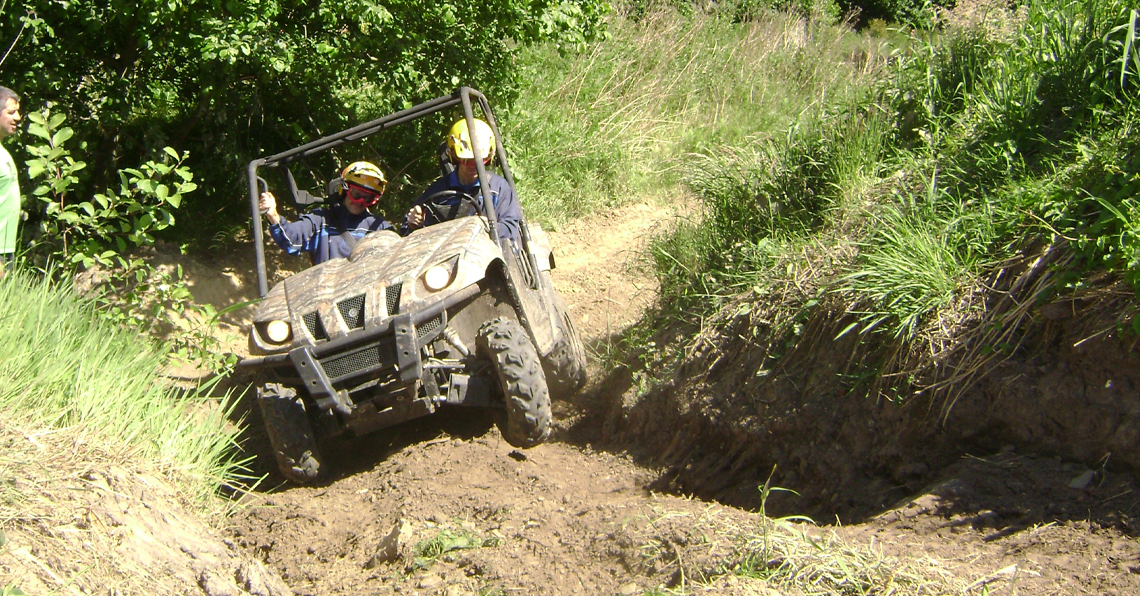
[[441, 212]]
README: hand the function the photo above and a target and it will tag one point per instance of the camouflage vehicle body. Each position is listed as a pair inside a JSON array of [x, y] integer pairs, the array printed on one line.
[[371, 345]]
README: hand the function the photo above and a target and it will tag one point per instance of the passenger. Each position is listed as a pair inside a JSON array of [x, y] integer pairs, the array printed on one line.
[[465, 179], [331, 232]]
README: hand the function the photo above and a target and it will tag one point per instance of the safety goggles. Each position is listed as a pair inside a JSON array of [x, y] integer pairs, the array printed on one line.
[[470, 161], [361, 195]]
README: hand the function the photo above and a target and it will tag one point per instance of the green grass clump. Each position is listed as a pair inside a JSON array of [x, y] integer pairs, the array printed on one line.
[[61, 367], [446, 541]]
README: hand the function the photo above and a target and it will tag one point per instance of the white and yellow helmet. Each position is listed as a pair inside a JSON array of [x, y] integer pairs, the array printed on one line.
[[459, 140], [364, 182]]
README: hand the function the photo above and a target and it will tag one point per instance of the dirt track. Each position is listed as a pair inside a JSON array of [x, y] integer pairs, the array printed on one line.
[[571, 517]]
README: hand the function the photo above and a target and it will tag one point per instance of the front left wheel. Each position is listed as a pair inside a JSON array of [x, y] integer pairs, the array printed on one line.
[[290, 433], [505, 344]]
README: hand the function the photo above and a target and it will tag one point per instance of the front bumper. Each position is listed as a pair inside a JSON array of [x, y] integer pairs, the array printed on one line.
[[389, 350]]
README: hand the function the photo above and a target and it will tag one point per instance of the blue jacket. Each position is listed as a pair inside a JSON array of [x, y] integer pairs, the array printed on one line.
[[507, 209], [317, 233]]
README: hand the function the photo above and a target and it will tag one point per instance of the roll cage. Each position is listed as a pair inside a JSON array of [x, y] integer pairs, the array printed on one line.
[[463, 96]]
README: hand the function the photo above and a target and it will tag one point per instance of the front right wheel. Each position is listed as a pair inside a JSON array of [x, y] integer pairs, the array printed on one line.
[[505, 344]]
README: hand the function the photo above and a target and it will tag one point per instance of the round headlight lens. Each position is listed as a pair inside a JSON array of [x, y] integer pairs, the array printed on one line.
[[437, 277], [278, 331]]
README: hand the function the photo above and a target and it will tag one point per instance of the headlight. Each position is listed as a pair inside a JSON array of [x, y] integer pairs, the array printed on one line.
[[278, 332], [437, 277], [440, 276]]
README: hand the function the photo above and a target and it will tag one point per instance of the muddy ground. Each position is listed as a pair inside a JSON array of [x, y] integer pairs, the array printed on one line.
[[987, 507], [1028, 488]]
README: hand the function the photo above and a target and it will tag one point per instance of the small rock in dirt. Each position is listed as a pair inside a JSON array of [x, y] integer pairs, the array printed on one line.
[[215, 585], [628, 589], [389, 548], [1082, 482], [430, 581], [517, 455], [259, 581]]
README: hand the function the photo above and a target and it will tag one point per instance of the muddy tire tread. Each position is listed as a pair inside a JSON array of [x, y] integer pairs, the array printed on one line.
[[507, 346], [565, 365], [290, 433]]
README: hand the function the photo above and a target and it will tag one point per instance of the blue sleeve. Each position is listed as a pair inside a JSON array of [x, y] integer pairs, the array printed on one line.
[[381, 224], [297, 237], [507, 211]]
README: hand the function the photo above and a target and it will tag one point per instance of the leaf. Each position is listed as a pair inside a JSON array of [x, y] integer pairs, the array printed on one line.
[[175, 200], [88, 207], [38, 130], [170, 151], [54, 122], [61, 136]]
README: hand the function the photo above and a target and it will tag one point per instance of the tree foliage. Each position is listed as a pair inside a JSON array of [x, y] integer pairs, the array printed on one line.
[[229, 80]]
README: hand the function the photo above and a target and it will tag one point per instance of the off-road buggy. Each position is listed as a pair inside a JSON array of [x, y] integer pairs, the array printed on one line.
[[450, 315]]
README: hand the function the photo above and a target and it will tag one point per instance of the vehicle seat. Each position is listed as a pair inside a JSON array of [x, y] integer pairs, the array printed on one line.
[[445, 165]]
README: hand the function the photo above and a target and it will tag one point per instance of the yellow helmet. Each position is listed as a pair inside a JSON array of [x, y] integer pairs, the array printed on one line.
[[363, 183], [459, 140], [363, 173]]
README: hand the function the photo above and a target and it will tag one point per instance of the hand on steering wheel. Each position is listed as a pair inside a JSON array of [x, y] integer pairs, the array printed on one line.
[[431, 210]]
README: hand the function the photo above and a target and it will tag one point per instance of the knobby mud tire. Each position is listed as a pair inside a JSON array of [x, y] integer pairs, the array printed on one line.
[[565, 366], [505, 344], [290, 433]]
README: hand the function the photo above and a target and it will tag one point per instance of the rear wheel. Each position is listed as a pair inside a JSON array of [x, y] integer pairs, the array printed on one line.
[[505, 344], [566, 364], [290, 433]]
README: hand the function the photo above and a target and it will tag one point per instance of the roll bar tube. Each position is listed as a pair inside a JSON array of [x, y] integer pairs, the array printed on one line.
[[462, 96]]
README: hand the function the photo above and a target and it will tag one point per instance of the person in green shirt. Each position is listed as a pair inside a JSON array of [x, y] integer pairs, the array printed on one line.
[[9, 188]]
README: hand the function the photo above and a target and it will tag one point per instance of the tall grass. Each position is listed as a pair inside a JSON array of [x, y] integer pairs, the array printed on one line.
[[916, 259], [969, 145], [61, 367], [599, 126]]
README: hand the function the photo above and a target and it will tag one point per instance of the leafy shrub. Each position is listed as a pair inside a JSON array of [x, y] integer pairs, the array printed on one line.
[[104, 235]]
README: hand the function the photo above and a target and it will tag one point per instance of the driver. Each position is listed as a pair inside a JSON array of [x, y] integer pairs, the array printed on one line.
[[331, 232], [465, 179]]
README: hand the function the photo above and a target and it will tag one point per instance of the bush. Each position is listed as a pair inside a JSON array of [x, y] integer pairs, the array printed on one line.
[[227, 82]]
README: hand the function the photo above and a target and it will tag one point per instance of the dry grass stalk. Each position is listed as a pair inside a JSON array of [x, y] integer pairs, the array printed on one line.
[[731, 552]]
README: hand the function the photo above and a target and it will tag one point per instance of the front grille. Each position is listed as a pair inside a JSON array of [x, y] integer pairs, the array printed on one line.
[[352, 311], [316, 328], [346, 364], [428, 327], [392, 294]]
